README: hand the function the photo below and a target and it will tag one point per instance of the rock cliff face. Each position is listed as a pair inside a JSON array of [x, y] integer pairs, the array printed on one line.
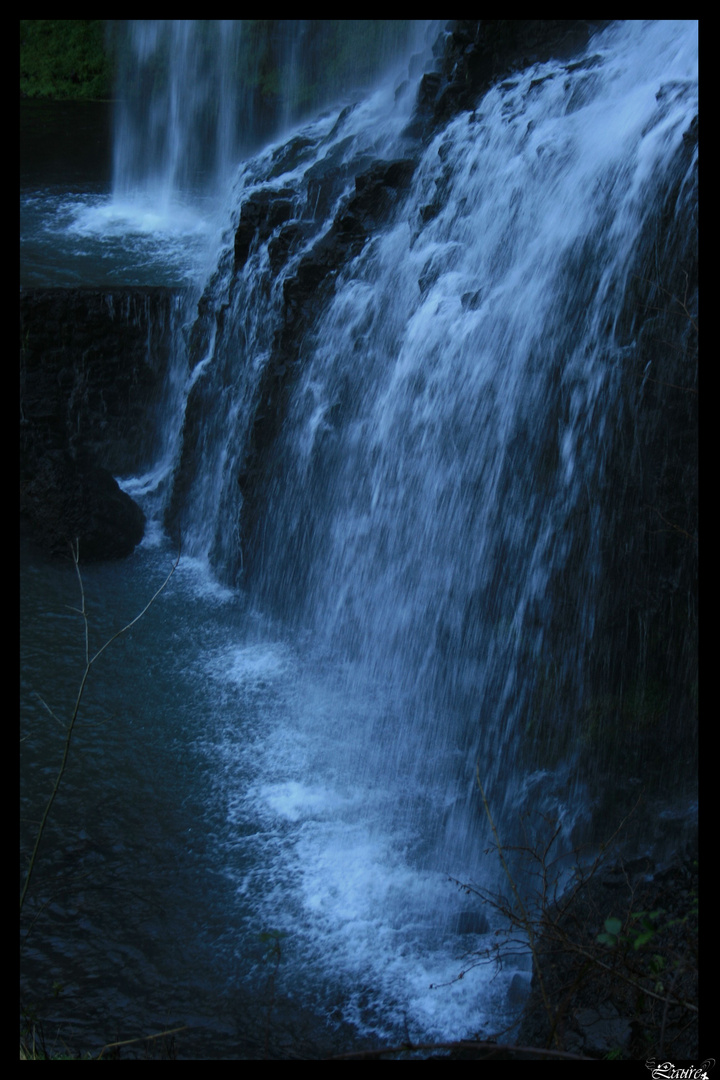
[[477, 52], [91, 367]]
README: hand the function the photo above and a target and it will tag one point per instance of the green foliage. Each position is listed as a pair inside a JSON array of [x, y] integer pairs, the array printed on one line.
[[612, 933], [33, 1044], [643, 963], [636, 935], [644, 927], [64, 58]]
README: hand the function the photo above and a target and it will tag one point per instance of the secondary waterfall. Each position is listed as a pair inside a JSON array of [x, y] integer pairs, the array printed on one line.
[[422, 471]]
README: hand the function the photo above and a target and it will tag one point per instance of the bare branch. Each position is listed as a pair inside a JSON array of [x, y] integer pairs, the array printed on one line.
[[89, 661]]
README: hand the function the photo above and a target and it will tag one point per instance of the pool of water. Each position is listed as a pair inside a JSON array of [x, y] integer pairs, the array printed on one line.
[[75, 232], [209, 862]]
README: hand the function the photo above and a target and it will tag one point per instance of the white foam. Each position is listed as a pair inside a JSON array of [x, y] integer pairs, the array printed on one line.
[[249, 663], [142, 215]]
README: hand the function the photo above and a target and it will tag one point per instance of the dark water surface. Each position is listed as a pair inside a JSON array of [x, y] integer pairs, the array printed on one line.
[[179, 881], [70, 141], [132, 915]]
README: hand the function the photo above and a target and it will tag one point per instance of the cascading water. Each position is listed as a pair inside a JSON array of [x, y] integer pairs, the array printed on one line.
[[431, 512], [431, 509], [416, 546], [198, 94]]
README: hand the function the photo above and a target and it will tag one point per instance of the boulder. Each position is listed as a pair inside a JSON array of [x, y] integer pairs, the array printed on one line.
[[64, 501]]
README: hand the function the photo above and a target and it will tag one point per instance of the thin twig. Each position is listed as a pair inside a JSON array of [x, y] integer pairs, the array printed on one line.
[[141, 1038], [464, 1044], [526, 922], [632, 982], [672, 525], [89, 661], [682, 304]]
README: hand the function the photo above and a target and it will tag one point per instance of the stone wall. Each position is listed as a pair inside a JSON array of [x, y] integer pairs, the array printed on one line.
[[92, 367]]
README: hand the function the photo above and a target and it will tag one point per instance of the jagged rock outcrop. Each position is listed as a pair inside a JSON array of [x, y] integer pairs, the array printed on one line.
[[377, 190], [285, 219], [477, 52], [259, 217]]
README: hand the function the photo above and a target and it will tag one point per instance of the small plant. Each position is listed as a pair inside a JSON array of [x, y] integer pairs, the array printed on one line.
[[642, 960], [636, 937]]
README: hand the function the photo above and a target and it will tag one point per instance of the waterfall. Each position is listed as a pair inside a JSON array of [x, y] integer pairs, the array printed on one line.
[[434, 510], [176, 123], [426, 445]]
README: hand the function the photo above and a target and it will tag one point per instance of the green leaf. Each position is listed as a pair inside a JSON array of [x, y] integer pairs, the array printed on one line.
[[607, 939]]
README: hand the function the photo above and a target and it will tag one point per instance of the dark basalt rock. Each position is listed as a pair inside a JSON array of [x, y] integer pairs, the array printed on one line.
[[67, 502], [260, 215], [282, 246], [478, 52], [92, 364], [690, 137]]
